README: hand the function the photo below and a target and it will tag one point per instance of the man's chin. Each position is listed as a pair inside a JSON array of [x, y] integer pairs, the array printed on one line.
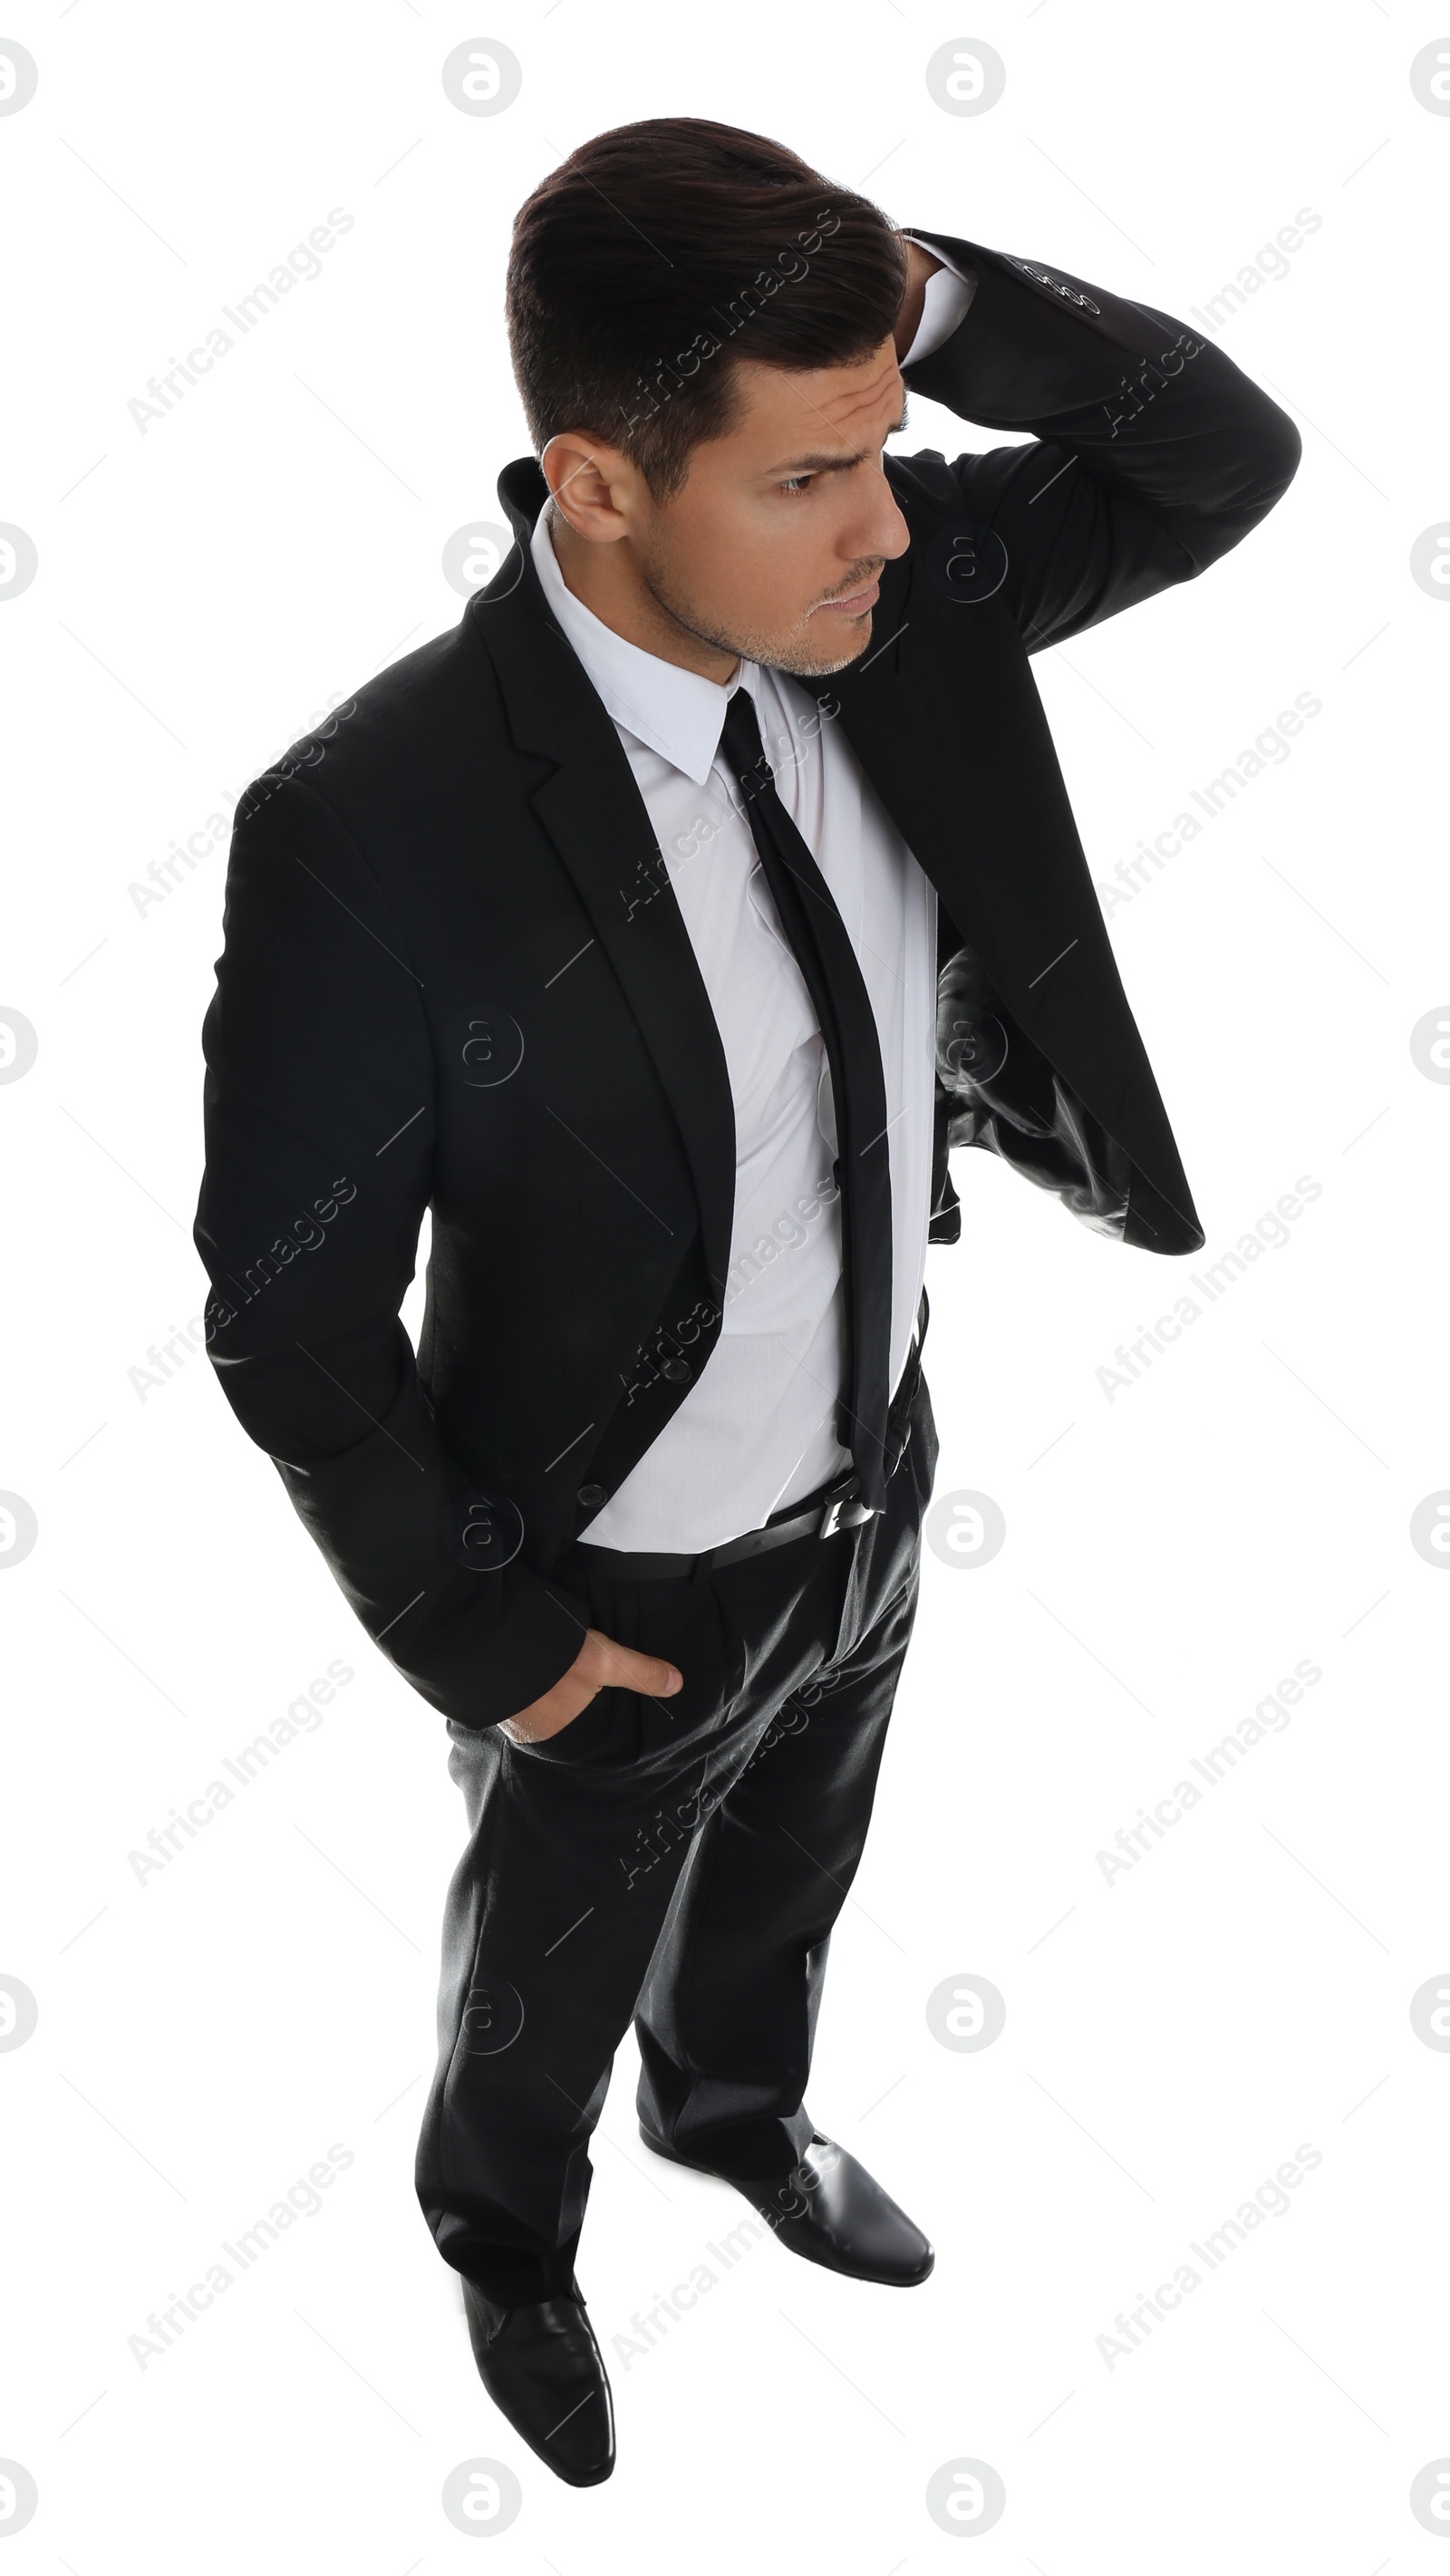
[[832, 651]]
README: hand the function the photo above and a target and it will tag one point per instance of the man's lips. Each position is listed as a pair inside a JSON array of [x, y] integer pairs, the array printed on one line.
[[855, 603]]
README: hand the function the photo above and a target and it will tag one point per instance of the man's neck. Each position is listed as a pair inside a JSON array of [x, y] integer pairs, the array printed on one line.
[[607, 580]]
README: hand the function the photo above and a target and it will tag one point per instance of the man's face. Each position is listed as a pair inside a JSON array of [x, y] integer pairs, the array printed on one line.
[[772, 547]]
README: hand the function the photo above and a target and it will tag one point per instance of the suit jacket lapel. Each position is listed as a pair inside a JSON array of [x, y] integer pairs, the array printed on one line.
[[996, 837], [593, 812]]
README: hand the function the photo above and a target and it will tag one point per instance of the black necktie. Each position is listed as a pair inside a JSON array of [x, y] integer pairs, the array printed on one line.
[[827, 960]]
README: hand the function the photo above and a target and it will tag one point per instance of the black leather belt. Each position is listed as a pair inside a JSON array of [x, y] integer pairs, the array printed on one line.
[[834, 1507]]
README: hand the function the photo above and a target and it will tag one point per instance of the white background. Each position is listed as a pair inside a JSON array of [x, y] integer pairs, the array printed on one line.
[[204, 590]]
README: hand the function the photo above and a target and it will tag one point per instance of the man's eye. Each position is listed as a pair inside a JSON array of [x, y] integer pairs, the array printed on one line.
[[798, 483]]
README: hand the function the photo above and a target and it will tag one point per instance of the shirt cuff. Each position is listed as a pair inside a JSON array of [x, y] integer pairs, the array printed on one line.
[[948, 294]]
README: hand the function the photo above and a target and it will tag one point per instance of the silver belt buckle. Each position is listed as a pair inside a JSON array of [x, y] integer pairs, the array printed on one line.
[[843, 1511]]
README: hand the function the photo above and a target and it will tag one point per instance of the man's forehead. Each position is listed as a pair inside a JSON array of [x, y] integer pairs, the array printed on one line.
[[820, 407]]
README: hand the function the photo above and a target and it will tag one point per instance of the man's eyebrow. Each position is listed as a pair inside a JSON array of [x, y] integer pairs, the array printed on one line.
[[830, 460]]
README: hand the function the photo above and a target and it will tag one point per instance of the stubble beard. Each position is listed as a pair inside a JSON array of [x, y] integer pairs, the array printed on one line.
[[791, 653]]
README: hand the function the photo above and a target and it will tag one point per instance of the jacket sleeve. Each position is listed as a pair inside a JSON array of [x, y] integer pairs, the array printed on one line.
[[1143, 454], [320, 1123], [1150, 453]]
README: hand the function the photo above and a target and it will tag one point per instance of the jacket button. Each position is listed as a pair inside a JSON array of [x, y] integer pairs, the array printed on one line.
[[676, 1370], [589, 1495]]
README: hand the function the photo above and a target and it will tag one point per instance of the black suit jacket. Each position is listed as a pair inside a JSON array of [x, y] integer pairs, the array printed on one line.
[[455, 977]]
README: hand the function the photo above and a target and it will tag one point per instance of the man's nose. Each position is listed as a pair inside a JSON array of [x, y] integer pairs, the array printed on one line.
[[886, 532]]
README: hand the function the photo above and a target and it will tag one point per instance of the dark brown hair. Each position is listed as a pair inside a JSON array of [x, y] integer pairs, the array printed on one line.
[[659, 252]]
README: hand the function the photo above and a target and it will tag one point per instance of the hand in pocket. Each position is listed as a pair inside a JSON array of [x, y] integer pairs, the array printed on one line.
[[600, 1663]]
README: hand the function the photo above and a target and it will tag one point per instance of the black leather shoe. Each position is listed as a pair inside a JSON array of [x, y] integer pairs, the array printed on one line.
[[830, 2211], [543, 2370]]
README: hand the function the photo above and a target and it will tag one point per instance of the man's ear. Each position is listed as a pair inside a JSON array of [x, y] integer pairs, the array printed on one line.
[[592, 484]]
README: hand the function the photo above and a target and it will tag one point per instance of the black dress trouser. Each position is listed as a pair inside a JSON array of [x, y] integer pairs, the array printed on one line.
[[680, 1861]]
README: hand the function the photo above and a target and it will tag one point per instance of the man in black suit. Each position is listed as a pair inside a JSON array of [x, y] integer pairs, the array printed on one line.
[[659, 929]]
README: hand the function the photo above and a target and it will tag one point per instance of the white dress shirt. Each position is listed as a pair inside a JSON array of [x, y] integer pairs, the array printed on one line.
[[948, 293], [757, 1429]]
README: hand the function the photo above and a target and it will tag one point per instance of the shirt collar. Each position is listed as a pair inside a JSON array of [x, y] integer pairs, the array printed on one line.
[[678, 713]]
